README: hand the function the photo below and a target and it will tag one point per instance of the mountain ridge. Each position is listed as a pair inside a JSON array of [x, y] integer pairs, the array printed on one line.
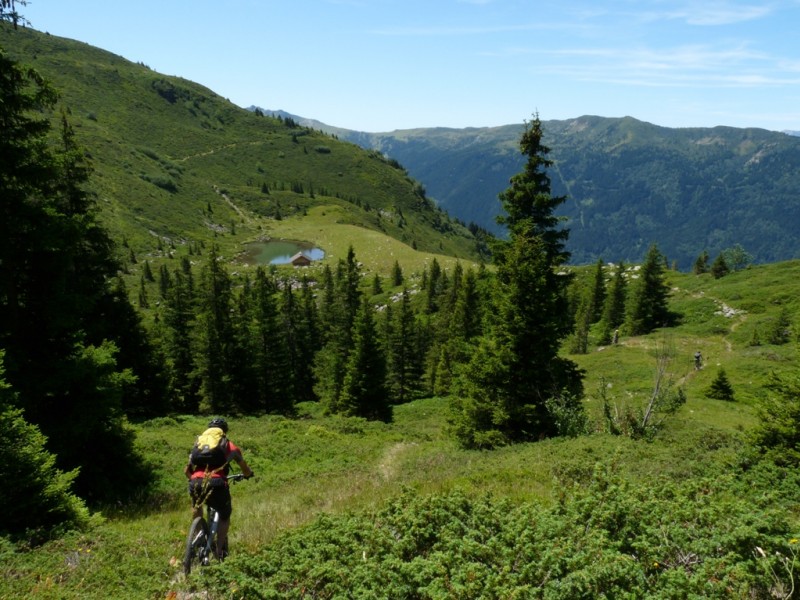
[[629, 183]]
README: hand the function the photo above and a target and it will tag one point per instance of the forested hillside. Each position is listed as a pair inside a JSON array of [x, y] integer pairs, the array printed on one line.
[[628, 183], [176, 162]]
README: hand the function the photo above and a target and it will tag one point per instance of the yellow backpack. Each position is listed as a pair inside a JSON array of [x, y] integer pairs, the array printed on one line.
[[210, 449]]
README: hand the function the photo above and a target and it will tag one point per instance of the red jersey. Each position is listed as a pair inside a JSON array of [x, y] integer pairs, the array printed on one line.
[[232, 452]]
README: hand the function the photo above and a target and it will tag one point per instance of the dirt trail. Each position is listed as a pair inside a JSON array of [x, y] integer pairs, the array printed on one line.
[[388, 465], [245, 217]]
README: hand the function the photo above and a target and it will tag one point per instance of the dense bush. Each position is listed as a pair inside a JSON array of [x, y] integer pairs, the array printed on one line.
[[710, 537], [30, 469]]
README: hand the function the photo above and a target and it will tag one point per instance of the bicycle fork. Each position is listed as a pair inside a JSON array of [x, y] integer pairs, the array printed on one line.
[[213, 522]]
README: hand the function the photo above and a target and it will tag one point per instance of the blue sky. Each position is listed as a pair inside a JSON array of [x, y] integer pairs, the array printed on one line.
[[380, 65]]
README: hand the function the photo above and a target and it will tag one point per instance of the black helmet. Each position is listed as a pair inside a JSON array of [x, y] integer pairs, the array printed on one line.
[[219, 422]]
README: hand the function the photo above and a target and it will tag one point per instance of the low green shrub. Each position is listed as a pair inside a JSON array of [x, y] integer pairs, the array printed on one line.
[[710, 537]]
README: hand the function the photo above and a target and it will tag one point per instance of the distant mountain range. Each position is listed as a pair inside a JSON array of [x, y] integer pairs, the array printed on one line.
[[629, 183]]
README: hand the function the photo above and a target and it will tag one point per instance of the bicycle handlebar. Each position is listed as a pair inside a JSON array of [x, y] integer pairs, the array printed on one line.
[[236, 477]]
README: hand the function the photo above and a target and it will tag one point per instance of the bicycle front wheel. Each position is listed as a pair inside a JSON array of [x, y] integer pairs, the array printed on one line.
[[195, 545]]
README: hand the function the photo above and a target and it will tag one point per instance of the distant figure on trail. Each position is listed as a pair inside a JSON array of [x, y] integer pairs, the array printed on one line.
[[698, 360], [616, 337]]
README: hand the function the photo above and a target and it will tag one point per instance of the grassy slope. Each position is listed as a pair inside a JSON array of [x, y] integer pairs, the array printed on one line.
[[175, 161], [317, 464]]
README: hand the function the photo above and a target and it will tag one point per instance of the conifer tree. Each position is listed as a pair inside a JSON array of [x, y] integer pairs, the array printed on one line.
[[266, 347], [397, 274], [377, 288], [579, 343], [147, 272], [778, 431], [178, 325], [327, 302], [614, 309], [701, 264], [45, 492], [434, 288], [214, 334], [403, 359], [364, 392], [300, 317], [342, 304], [463, 324], [780, 330], [721, 388], [598, 297], [164, 281], [720, 267], [647, 308], [241, 374], [143, 300], [516, 370], [56, 262]]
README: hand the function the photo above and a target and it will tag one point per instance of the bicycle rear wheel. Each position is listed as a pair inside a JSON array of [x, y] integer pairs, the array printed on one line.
[[195, 545]]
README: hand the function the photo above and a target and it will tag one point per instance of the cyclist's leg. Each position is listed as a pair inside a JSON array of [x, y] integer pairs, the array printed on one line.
[[222, 538], [220, 499]]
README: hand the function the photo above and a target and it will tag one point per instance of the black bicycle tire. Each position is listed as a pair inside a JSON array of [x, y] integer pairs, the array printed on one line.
[[198, 535]]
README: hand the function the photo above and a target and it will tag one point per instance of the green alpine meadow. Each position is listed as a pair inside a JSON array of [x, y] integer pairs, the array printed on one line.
[[430, 411]]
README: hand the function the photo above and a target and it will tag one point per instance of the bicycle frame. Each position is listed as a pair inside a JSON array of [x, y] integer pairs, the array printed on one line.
[[213, 526], [208, 527]]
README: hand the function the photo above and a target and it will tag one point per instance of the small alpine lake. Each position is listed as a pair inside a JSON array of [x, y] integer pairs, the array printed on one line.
[[279, 252]]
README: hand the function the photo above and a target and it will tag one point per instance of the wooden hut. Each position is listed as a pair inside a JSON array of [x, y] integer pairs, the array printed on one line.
[[300, 260]]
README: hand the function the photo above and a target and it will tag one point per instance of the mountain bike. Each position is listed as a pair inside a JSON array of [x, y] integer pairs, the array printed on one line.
[[201, 543]]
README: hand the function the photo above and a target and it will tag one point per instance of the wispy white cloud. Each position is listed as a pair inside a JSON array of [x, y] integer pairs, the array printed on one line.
[[715, 14], [682, 66], [726, 15], [446, 30]]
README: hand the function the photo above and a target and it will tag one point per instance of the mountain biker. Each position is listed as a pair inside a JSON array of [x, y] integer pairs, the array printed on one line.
[[210, 486]]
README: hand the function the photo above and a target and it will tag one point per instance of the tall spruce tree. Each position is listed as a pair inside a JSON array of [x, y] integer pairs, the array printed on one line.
[[214, 334], [177, 328], [340, 307], [298, 325], [516, 373], [307, 343], [270, 356], [364, 392], [56, 264], [462, 324], [241, 374], [404, 366]]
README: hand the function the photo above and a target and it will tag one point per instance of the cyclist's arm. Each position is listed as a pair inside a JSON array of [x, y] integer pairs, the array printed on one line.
[[248, 472], [235, 455]]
